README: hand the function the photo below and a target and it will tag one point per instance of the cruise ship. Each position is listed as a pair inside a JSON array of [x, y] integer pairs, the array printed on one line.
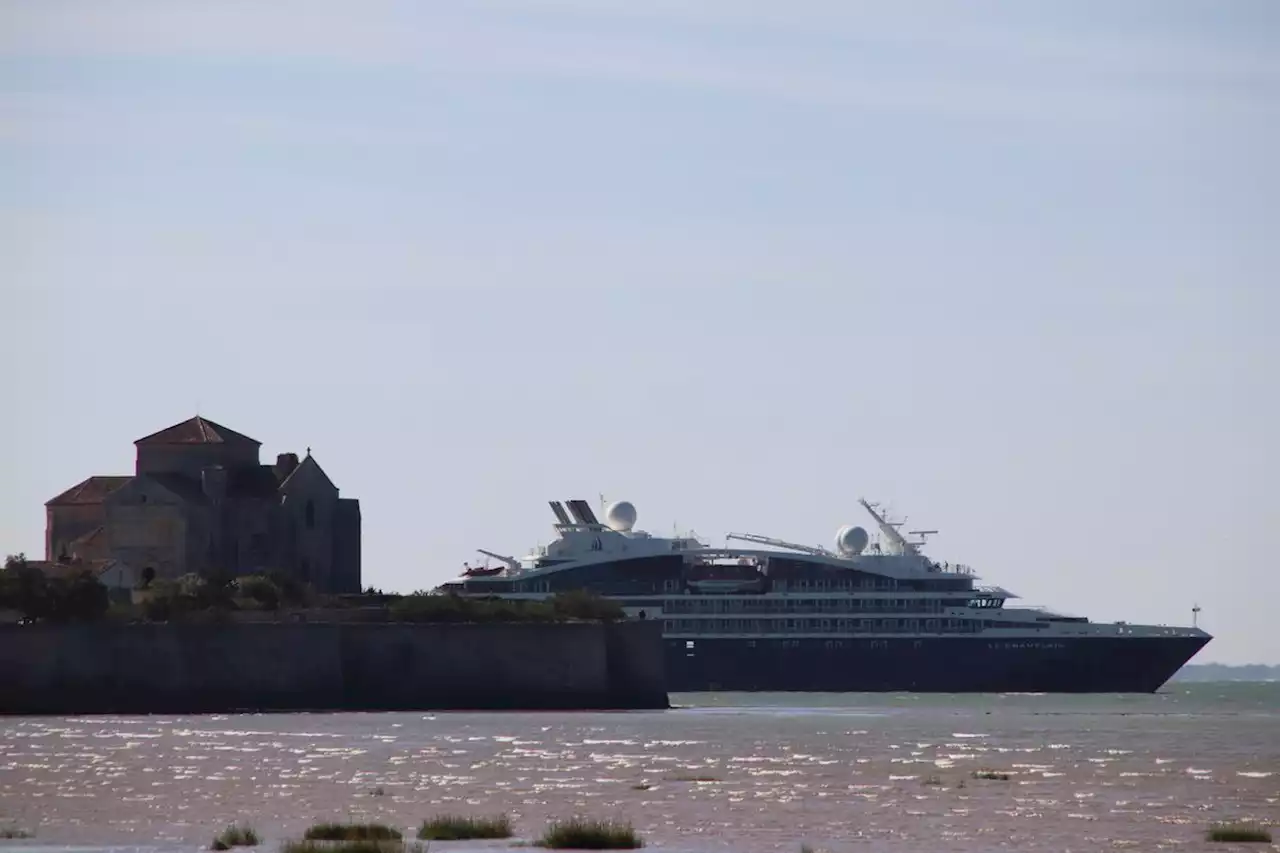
[[873, 613]]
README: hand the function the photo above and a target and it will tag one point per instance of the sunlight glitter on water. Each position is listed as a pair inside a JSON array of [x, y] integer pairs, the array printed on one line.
[[124, 781]]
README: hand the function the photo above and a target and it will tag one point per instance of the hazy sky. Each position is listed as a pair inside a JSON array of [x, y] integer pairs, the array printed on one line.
[[1009, 267]]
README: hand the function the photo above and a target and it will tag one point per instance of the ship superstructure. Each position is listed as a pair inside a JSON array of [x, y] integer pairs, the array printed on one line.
[[870, 613]]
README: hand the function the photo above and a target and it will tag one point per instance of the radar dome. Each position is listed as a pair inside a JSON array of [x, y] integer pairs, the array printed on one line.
[[620, 516], [851, 540]]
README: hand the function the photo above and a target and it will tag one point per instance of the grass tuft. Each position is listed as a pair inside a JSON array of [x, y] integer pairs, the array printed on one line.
[[10, 832], [1238, 831], [450, 827], [352, 832], [235, 835], [995, 775], [931, 780], [580, 833]]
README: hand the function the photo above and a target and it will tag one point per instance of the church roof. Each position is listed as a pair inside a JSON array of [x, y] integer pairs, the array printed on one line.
[[197, 430], [91, 491], [93, 537]]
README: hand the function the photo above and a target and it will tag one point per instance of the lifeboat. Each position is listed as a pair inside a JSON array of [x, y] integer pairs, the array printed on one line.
[[482, 571]]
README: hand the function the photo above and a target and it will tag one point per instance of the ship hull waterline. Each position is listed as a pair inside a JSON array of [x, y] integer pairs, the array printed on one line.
[[928, 665]]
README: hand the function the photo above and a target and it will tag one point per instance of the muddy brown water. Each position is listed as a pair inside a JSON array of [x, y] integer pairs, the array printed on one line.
[[851, 772]]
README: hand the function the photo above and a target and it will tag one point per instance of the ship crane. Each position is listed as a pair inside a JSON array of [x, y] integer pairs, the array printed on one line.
[[512, 563], [898, 543], [779, 543]]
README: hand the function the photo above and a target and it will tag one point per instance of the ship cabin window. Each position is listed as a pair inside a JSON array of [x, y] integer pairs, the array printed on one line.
[[826, 624], [819, 584], [688, 644], [931, 625], [669, 585], [913, 624]]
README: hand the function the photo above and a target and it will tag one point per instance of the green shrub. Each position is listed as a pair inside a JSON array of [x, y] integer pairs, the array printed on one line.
[[235, 835], [448, 827], [75, 597], [580, 833], [352, 832], [1238, 831], [585, 605], [258, 590]]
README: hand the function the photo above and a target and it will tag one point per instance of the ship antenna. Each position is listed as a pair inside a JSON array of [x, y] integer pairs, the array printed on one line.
[[1195, 616]]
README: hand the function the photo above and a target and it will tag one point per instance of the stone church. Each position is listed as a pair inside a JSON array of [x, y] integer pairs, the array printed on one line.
[[200, 501]]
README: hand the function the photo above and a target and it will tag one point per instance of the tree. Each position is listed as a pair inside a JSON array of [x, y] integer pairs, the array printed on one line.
[[79, 597]]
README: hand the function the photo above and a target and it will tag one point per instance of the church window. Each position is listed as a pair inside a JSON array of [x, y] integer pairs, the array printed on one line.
[[311, 514]]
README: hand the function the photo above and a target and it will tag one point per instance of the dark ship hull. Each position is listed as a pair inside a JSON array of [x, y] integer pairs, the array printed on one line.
[[938, 665]]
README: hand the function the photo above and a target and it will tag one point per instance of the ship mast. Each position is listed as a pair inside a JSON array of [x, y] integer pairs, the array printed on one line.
[[889, 530]]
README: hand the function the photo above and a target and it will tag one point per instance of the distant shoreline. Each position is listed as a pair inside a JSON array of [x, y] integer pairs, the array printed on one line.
[[1227, 672]]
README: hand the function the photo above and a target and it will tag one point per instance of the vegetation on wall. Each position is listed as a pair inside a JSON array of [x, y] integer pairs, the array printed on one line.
[[79, 596], [562, 607], [75, 597]]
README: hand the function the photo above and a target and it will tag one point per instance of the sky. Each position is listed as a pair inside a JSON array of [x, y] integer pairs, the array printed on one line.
[[1009, 268]]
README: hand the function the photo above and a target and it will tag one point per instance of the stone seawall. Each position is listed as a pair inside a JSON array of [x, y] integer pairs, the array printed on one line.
[[188, 668]]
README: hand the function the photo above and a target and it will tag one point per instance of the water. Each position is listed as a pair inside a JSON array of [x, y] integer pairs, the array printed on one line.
[[839, 772]]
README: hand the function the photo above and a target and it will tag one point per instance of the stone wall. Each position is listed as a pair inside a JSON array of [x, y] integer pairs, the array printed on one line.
[[208, 668]]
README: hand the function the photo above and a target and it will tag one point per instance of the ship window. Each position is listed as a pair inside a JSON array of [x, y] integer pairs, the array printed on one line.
[[931, 624], [819, 584], [688, 644], [826, 624]]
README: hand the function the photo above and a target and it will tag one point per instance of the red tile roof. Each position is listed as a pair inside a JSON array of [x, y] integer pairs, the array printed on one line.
[[197, 430], [91, 491]]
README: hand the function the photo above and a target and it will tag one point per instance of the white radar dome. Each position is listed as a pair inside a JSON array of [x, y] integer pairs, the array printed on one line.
[[620, 516], [851, 540]]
